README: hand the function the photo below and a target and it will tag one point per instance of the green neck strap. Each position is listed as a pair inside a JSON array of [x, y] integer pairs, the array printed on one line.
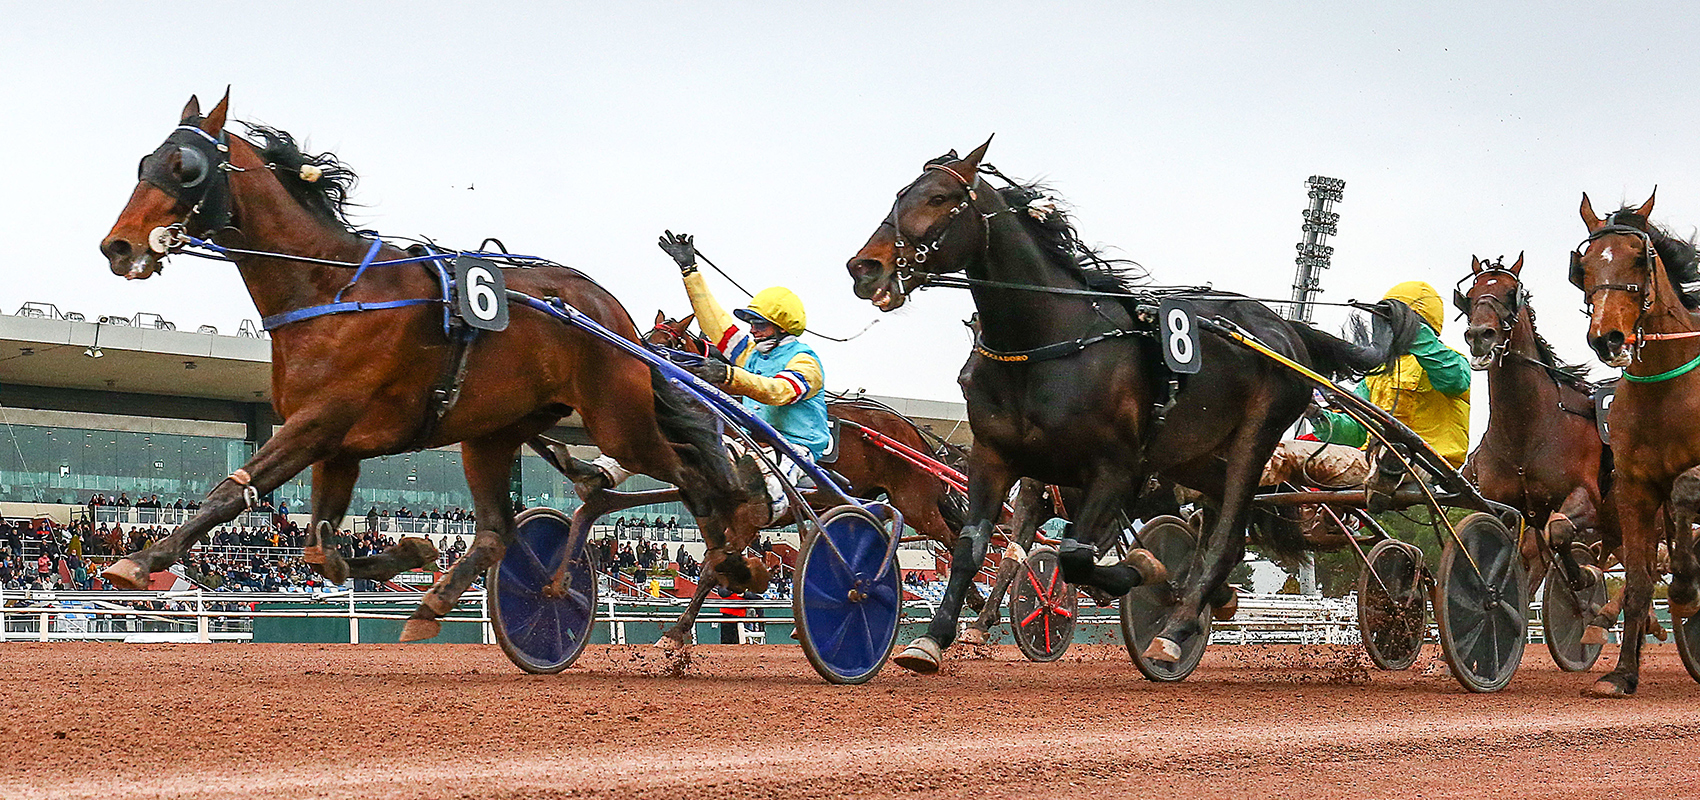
[[1664, 376]]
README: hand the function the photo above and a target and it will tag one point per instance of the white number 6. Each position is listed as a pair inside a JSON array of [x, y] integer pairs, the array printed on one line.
[[481, 295]]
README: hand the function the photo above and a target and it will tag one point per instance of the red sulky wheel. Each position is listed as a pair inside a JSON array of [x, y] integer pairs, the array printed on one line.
[[1042, 606]]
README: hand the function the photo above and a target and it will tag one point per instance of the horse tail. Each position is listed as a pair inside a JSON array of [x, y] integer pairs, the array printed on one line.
[[1281, 535], [694, 431], [953, 506], [1392, 329]]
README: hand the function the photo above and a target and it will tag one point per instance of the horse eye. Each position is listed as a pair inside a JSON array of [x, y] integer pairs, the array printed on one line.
[[937, 200]]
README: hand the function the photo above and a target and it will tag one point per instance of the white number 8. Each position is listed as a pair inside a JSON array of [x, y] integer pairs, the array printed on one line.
[[1180, 335], [480, 294]]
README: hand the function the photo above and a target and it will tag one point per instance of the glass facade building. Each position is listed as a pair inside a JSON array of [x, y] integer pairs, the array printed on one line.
[[43, 464]]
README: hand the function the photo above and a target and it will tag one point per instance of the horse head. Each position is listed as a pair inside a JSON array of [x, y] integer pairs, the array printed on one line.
[[926, 233], [1616, 268], [676, 333], [1491, 307], [181, 187]]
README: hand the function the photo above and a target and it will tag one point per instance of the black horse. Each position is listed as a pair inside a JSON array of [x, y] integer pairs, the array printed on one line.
[[1067, 384]]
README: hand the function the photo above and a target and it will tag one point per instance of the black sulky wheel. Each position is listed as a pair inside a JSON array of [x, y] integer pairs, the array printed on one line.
[[1391, 604], [1687, 632], [542, 627], [1565, 614], [1143, 610], [1482, 607], [1042, 606]]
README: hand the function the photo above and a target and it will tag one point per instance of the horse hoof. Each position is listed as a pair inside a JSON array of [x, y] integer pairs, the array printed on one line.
[[972, 635], [1162, 649], [668, 644], [1594, 635], [922, 656], [313, 554], [1226, 612], [1605, 690], [126, 574], [417, 630], [1151, 570], [417, 551], [436, 604]]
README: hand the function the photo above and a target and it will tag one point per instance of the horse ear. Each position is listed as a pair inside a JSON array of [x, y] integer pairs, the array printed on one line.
[[685, 324], [1589, 218], [660, 317], [969, 166], [1475, 266], [191, 109], [1646, 209], [214, 123], [1517, 268]]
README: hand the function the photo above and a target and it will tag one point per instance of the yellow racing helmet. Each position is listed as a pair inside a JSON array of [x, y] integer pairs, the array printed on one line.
[[779, 306], [1423, 299]]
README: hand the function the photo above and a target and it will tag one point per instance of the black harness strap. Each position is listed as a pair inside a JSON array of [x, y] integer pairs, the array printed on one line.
[[1049, 351]]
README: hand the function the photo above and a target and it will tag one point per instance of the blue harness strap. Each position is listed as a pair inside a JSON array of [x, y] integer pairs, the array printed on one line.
[[276, 321]]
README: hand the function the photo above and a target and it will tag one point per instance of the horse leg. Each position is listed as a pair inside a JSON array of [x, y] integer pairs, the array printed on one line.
[[986, 490], [1684, 566], [487, 462], [300, 442], [677, 636], [1105, 496], [1637, 503], [1029, 506], [333, 486], [1223, 546]]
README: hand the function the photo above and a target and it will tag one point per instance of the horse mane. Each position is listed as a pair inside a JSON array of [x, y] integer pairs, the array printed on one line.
[[1045, 216], [1681, 257], [326, 197], [1577, 373]]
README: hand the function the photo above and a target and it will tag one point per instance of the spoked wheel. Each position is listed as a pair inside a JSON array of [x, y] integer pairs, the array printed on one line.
[[1042, 607], [542, 627], [1391, 604], [1688, 644], [846, 613], [1481, 608], [1144, 609], [1565, 614]]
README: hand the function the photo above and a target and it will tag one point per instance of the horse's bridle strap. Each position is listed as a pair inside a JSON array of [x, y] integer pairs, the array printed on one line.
[[1049, 351]]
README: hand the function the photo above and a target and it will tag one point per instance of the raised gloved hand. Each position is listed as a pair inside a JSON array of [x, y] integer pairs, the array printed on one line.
[[682, 247], [713, 371]]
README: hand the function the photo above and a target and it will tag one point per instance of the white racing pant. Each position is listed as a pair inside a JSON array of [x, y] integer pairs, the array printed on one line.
[[778, 502]]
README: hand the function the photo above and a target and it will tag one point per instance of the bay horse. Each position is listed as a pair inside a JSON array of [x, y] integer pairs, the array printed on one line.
[[352, 386], [1643, 319], [1066, 384], [1541, 453]]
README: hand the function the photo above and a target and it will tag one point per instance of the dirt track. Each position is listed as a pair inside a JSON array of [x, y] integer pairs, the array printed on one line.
[[392, 721]]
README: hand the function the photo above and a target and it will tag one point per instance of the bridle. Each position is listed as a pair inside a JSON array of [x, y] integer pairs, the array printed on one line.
[[1647, 293], [908, 271], [201, 181], [1507, 313], [677, 339]]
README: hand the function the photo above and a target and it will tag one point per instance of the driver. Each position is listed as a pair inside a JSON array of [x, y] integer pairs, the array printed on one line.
[[779, 377], [1428, 389]]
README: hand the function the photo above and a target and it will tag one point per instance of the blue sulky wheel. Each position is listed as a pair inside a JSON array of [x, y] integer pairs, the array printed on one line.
[[846, 620], [541, 627], [1482, 604]]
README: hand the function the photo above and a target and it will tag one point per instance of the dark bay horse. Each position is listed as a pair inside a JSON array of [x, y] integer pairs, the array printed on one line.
[[1065, 384], [351, 386], [1643, 320], [1541, 453]]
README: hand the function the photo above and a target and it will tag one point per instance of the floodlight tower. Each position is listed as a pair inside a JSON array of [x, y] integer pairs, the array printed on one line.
[[1314, 253], [1321, 222]]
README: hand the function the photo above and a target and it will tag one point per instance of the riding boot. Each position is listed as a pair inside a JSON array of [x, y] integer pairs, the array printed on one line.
[[1389, 473]]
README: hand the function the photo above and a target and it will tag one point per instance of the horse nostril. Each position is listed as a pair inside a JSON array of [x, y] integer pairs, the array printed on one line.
[[864, 266], [1614, 340], [115, 248]]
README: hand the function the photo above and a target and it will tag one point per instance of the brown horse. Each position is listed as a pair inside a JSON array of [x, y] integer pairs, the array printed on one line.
[[352, 386], [1644, 321], [1541, 453]]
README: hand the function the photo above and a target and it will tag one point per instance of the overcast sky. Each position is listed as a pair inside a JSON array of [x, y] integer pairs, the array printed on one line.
[[777, 133]]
